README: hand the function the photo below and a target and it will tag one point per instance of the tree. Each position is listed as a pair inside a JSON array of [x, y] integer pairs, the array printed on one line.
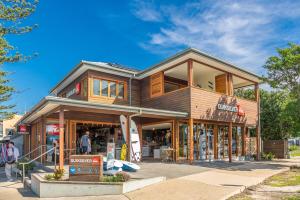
[[283, 71], [12, 14], [277, 120]]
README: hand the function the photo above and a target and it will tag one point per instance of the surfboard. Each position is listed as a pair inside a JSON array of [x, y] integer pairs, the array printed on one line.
[[135, 142], [130, 167], [123, 121]]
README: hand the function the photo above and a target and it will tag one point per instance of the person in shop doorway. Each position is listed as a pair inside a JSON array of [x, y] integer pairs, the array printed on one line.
[[12, 158], [55, 152], [85, 143]]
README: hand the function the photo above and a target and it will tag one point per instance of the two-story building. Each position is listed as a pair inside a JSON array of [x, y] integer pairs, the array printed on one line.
[[185, 103]]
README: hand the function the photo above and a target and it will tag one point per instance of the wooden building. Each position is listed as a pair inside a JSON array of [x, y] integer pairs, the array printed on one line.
[[185, 103]]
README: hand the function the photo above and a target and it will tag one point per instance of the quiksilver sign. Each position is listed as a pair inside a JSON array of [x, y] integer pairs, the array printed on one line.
[[227, 107]]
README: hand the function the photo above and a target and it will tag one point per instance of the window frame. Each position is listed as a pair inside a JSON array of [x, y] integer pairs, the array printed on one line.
[[117, 82]]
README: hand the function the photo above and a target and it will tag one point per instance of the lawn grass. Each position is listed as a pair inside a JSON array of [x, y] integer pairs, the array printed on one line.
[[289, 178], [291, 197], [295, 151]]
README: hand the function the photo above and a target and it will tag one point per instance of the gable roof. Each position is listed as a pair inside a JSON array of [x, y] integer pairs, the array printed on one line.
[[140, 74]]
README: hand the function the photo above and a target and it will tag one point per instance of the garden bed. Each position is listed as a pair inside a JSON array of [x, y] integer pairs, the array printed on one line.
[[64, 188]]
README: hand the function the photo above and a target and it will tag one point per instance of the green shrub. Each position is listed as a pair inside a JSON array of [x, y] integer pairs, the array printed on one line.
[[268, 156], [58, 174], [123, 176], [293, 148], [48, 177], [119, 177], [28, 167]]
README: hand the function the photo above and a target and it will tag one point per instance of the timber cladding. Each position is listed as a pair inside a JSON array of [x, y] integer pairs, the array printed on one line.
[[204, 106], [178, 100]]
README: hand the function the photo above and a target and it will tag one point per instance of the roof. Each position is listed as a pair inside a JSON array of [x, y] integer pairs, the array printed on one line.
[[50, 103], [139, 74]]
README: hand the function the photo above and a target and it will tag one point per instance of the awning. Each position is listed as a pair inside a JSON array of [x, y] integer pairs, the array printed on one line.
[[50, 103]]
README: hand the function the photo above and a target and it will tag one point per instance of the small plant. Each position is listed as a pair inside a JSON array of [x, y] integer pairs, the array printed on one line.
[[123, 176], [293, 148], [58, 174], [268, 156], [48, 177], [28, 167], [119, 177]]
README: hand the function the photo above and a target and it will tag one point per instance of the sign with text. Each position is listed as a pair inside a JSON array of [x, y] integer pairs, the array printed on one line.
[[23, 129], [227, 107], [85, 167]]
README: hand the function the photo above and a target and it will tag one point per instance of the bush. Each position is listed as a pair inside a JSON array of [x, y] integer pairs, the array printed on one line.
[[268, 156], [119, 177], [48, 177], [28, 167], [293, 148], [123, 176], [58, 174]]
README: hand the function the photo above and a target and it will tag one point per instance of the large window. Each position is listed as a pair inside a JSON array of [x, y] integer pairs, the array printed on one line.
[[107, 88]]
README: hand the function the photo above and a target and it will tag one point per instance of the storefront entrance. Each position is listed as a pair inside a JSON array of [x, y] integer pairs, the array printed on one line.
[[157, 141]]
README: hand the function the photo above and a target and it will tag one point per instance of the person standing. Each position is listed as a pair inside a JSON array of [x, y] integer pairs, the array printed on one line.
[[12, 158], [85, 142]]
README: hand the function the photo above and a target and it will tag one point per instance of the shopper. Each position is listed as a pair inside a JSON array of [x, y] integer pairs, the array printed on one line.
[[85, 142], [12, 158]]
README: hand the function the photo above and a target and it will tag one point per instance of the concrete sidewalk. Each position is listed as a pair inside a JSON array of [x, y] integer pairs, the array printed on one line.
[[213, 184], [211, 181]]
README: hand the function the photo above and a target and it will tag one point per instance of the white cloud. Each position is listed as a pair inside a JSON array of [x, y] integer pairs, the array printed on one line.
[[146, 11], [239, 31]]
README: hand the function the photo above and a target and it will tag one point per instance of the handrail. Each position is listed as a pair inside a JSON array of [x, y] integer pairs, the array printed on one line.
[[26, 163], [24, 156]]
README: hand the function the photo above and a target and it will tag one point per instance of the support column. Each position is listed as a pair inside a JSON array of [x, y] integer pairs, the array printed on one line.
[[244, 140], [176, 140], [258, 136], [191, 140], [230, 142], [190, 73], [215, 141], [61, 138]]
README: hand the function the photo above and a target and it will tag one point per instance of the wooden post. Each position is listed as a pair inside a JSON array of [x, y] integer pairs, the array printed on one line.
[[61, 139], [229, 84], [230, 142], [258, 137], [191, 140], [176, 140], [244, 132], [215, 141], [190, 73]]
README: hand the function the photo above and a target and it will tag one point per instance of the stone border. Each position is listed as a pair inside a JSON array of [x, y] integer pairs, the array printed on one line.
[[52, 189]]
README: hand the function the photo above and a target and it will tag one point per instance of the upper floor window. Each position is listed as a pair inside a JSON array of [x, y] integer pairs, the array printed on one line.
[[108, 88]]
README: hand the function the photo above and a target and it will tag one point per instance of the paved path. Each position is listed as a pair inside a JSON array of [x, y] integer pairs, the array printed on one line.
[[200, 181]]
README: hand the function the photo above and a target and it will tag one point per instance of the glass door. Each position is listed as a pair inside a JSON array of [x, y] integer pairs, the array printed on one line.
[[222, 142], [183, 135]]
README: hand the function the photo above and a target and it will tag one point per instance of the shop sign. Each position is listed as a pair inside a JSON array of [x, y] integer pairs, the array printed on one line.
[[23, 129], [227, 108], [85, 167], [75, 90], [241, 112], [52, 129]]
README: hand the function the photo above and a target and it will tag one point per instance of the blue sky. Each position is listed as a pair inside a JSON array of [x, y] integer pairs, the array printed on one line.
[[140, 34]]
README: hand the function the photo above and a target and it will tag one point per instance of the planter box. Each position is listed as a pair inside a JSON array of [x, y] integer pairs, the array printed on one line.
[[52, 189]]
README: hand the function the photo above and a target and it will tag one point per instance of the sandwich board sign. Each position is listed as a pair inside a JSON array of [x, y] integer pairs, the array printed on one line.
[[85, 168]]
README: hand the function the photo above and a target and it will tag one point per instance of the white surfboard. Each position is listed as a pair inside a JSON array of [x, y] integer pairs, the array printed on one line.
[[135, 142], [123, 121]]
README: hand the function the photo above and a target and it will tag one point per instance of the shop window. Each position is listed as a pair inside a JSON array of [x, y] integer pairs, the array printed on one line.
[[104, 88], [85, 87], [121, 90], [113, 89], [96, 87]]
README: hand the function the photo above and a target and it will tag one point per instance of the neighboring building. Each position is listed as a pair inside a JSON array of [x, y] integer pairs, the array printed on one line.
[[186, 103], [7, 127]]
